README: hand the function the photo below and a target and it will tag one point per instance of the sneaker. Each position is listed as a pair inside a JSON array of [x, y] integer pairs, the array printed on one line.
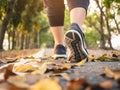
[[59, 52], [74, 40]]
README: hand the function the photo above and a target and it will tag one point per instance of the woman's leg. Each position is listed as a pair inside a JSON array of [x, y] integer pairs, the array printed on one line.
[[78, 9], [74, 37], [55, 13]]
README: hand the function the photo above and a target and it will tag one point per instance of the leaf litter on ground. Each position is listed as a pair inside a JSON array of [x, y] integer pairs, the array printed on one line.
[[36, 74]]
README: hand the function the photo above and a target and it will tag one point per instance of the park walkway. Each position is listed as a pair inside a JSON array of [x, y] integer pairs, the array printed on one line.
[[93, 75], [92, 71]]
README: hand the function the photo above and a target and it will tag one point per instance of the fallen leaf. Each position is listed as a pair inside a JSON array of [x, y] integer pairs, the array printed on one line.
[[106, 84], [103, 57], [67, 66], [18, 81], [108, 72], [79, 84], [3, 68], [92, 58], [56, 69], [46, 84], [81, 63], [42, 69], [47, 58], [6, 72], [7, 86], [112, 73], [24, 68], [9, 71], [116, 74]]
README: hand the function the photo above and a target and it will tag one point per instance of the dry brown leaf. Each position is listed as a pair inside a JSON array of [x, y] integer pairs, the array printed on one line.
[[7, 86], [6, 72], [2, 72], [47, 58], [46, 84], [116, 74], [4, 67], [24, 68], [67, 65], [9, 72], [42, 69], [77, 84], [18, 81], [92, 58], [106, 84], [112, 73], [7, 60], [50, 63], [81, 63], [108, 72]]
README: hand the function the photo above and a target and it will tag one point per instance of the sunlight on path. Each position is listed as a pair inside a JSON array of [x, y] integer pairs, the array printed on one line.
[[116, 41], [43, 52], [39, 54]]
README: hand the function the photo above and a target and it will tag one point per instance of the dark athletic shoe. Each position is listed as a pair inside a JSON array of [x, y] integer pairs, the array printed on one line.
[[59, 52], [74, 40]]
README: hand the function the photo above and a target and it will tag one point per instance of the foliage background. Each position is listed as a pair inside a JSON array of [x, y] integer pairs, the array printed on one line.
[[26, 24]]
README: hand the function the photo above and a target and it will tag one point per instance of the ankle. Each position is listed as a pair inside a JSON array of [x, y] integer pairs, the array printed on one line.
[[58, 44], [79, 25]]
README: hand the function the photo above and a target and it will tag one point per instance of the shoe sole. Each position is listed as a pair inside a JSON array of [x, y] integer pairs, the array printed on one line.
[[57, 56], [76, 44]]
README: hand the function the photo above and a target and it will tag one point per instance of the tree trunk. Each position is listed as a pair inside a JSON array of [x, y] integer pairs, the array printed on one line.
[[108, 29], [116, 23], [38, 39], [4, 28], [27, 43], [102, 39], [17, 39], [13, 40], [22, 41], [5, 23], [9, 40]]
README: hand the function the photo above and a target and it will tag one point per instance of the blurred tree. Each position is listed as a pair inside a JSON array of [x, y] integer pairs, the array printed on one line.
[[6, 8], [15, 12], [101, 19]]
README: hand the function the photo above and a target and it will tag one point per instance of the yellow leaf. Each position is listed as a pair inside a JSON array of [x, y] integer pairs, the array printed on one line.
[[106, 84], [66, 66], [92, 57], [41, 70], [46, 84], [24, 68], [112, 73], [81, 62], [108, 72]]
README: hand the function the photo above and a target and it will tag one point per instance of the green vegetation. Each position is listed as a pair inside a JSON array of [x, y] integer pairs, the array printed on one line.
[[26, 24], [92, 37]]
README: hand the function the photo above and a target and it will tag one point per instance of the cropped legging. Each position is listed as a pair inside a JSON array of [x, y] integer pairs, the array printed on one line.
[[55, 9]]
